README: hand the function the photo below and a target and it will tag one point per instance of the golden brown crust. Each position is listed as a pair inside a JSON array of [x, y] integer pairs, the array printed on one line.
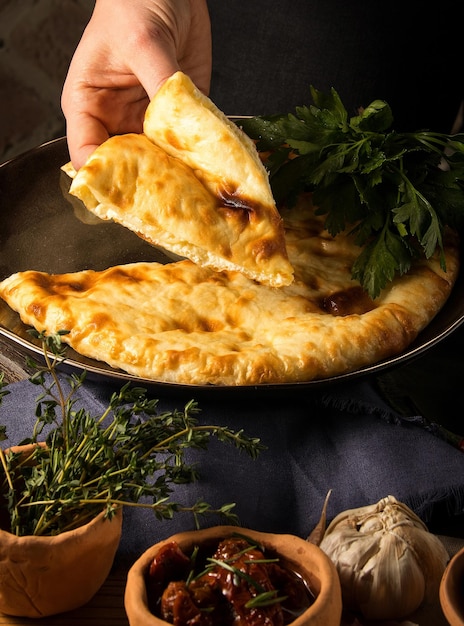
[[187, 324], [189, 126], [130, 180], [193, 184]]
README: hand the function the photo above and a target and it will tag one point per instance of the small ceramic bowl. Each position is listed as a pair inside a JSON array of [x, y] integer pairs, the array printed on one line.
[[452, 590], [45, 575], [304, 558]]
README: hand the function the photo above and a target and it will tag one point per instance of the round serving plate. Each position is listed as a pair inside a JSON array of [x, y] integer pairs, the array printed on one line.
[[43, 228]]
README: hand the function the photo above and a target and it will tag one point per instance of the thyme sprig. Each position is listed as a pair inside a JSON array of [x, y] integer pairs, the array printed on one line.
[[396, 191], [263, 597], [132, 454]]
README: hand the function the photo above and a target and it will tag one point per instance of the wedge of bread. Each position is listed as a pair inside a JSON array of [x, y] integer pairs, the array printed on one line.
[[192, 183]]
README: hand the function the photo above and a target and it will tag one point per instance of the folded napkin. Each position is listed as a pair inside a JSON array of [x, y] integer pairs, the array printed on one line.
[[346, 438]]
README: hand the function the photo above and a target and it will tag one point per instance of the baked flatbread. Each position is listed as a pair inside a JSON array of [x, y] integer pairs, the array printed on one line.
[[223, 217], [188, 125], [188, 324]]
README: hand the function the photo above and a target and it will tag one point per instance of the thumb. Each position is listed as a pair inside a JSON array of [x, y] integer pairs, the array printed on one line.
[[154, 64]]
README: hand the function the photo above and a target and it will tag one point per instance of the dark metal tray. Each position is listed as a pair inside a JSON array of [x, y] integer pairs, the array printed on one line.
[[43, 228]]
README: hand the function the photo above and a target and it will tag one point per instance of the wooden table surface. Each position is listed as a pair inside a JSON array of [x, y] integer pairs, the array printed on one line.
[[107, 606], [105, 609], [12, 361]]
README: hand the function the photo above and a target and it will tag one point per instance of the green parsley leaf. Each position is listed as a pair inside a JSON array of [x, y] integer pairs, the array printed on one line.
[[396, 191]]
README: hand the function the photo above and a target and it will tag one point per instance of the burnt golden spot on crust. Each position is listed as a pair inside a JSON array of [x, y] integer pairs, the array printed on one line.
[[63, 284], [37, 310], [100, 320], [239, 216], [209, 325], [251, 211], [351, 301], [266, 248], [172, 139], [121, 275], [117, 196]]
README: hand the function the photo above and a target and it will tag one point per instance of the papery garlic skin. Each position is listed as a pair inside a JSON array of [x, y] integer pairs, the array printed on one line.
[[387, 560]]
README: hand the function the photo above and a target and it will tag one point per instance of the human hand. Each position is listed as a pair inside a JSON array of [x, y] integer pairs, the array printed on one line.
[[125, 54]]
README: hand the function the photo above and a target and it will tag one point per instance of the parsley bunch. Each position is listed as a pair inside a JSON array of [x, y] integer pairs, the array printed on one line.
[[132, 454], [396, 192]]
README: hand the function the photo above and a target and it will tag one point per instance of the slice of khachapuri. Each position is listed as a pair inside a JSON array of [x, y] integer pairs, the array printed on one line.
[[193, 184]]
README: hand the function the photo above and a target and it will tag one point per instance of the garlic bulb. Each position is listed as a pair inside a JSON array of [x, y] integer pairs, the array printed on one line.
[[387, 560]]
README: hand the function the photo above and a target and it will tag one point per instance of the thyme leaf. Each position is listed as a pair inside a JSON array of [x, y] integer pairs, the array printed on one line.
[[132, 454], [266, 598]]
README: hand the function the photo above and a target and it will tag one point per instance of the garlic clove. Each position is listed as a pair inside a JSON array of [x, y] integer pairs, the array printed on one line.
[[387, 560]]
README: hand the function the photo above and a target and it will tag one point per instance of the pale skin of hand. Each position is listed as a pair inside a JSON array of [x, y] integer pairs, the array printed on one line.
[[128, 49]]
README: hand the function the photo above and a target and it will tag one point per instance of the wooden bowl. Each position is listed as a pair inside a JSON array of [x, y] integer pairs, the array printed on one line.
[[452, 590], [316, 569]]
